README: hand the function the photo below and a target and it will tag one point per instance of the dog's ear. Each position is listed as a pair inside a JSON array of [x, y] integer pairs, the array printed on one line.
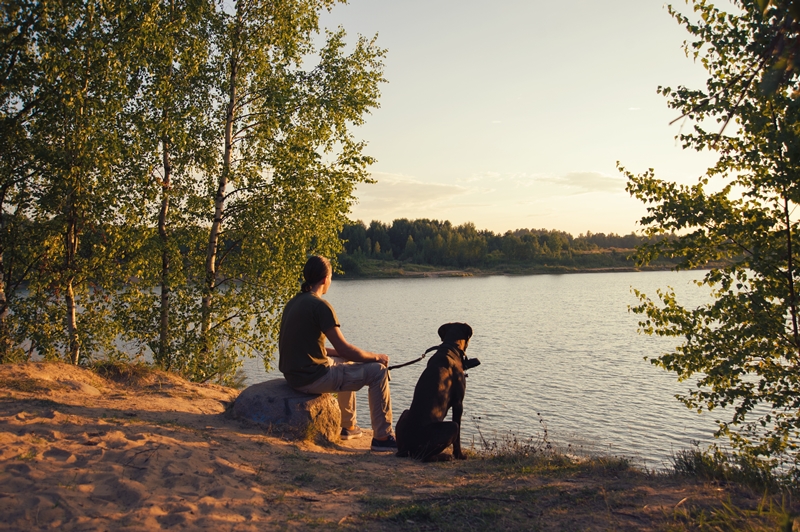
[[443, 330], [466, 330]]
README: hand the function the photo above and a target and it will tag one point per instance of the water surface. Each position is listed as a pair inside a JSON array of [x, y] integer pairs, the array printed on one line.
[[562, 346]]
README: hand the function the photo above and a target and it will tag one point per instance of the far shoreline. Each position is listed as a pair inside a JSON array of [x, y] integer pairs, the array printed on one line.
[[402, 273]]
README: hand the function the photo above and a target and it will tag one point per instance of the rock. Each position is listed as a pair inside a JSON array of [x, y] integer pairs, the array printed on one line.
[[276, 406]]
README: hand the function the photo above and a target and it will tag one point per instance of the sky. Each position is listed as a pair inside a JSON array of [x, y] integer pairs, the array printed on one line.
[[513, 113]]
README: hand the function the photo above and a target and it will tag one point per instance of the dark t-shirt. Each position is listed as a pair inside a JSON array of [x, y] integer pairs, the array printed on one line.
[[301, 342]]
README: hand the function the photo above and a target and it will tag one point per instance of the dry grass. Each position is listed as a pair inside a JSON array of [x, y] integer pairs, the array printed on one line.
[[522, 484], [555, 493], [132, 374], [27, 385]]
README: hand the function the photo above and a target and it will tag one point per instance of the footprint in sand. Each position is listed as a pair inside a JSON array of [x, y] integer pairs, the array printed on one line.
[[116, 439], [121, 491], [59, 455], [171, 520]]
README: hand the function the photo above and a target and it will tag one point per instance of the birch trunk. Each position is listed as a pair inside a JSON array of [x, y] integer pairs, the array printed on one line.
[[5, 340], [163, 356], [70, 248], [219, 209]]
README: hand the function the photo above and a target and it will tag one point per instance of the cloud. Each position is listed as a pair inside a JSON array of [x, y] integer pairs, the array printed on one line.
[[548, 185], [481, 196], [583, 182], [495, 179], [400, 196], [485, 176]]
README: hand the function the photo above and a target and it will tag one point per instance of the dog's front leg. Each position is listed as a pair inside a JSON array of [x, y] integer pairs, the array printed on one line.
[[458, 410]]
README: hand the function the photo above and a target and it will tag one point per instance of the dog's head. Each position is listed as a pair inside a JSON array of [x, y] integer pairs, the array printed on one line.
[[452, 332]]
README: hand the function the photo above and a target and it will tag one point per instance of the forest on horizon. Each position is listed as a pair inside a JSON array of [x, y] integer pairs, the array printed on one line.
[[440, 243]]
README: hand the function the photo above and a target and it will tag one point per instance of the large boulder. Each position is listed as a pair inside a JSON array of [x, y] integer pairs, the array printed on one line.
[[275, 406]]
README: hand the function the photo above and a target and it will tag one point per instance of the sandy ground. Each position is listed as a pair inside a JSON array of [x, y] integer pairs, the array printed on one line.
[[81, 452]]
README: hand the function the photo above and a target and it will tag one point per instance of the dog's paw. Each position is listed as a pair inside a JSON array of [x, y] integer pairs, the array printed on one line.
[[461, 456]]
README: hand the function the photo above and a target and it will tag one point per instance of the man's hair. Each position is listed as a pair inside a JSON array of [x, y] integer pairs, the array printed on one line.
[[317, 268]]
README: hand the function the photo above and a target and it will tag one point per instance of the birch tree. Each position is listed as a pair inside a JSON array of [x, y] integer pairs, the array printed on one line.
[[80, 151], [287, 167], [20, 21], [175, 163], [173, 111], [743, 347]]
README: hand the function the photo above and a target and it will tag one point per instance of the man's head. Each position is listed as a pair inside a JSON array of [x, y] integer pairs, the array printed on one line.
[[317, 270], [453, 332]]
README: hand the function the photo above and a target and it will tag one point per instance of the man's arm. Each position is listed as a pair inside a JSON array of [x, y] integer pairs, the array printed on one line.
[[347, 351]]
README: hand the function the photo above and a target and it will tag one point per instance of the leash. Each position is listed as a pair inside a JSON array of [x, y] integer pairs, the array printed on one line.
[[468, 363], [434, 348]]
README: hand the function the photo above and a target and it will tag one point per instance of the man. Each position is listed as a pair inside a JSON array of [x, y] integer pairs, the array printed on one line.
[[310, 367]]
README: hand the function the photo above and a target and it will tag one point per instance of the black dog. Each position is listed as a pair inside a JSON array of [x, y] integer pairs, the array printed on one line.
[[421, 430]]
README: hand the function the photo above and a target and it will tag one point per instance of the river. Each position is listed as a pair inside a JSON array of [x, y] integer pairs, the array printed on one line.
[[560, 348]]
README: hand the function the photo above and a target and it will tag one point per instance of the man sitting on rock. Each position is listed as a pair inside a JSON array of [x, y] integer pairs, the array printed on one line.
[[310, 367]]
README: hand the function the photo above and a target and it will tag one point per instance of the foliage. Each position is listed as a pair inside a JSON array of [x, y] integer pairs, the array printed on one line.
[[170, 166], [15, 69], [743, 347], [286, 169], [771, 59], [431, 242], [778, 47], [82, 172]]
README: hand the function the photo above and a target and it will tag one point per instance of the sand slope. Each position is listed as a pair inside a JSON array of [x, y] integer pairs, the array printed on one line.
[[79, 452], [152, 452]]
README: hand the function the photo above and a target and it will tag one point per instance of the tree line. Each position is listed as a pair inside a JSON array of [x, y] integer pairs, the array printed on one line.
[[440, 243], [166, 167]]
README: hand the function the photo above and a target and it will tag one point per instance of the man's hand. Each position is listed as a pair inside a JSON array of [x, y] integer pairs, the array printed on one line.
[[350, 352]]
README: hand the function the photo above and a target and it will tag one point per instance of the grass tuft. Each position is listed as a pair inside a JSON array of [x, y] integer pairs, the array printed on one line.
[[28, 385], [28, 455], [511, 446], [415, 513], [716, 465], [124, 372], [766, 517]]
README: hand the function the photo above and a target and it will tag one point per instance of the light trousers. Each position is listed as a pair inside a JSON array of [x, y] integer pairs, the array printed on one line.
[[345, 378]]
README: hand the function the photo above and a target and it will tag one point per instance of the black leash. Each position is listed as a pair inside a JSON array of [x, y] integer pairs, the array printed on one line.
[[434, 348], [468, 363]]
